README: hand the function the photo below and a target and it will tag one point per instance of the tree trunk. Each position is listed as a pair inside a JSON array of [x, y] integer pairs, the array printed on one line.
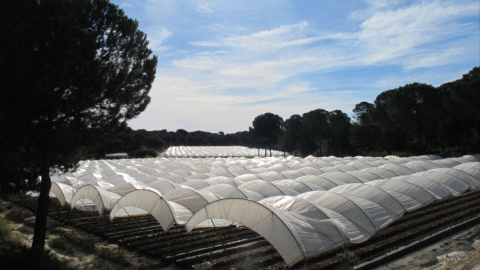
[[38, 243]]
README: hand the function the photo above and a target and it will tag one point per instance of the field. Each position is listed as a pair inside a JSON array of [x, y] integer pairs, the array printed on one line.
[[229, 246], [282, 211]]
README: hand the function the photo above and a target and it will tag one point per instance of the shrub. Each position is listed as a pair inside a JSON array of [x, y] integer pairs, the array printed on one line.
[[246, 264], [102, 264], [5, 232], [203, 266], [60, 244], [87, 246], [146, 153], [106, 255], [347, 259]]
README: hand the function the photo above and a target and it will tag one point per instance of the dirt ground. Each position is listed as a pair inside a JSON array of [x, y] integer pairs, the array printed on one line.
[[100, 255], [460, 252]]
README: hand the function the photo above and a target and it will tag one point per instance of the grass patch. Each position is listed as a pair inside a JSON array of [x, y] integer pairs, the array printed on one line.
[[347, 259], [117, 258], [99, 263], [86, 245], [7, 235], [5, 232], [17, 215], [246, 264], [60, 244], [203, 266]]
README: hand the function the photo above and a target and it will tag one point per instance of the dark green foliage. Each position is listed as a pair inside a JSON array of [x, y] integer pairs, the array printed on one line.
[[144, 153], [419, 118], [346, 260], [267, 128], [5, 232], [339, 123], [203, 266], [132, 141], [461, 122], [73, 72], [315, 132], [292, 133], [60, 244], [364, 129]]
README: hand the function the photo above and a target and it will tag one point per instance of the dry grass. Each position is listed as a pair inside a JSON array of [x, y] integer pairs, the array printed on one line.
[[66, 247]]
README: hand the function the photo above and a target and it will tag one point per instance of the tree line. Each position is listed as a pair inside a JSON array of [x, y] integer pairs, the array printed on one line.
[[413, 119]]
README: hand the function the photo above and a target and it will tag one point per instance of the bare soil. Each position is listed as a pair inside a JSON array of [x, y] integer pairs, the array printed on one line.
[[139, 242], [82, 250]]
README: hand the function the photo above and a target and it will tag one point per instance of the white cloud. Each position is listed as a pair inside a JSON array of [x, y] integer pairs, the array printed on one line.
[[234, 77], [205, 8], [125, 5], [393, 35], [157, 36]]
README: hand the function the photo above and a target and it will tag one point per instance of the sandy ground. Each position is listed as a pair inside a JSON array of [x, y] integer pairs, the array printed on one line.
[[460, 252]]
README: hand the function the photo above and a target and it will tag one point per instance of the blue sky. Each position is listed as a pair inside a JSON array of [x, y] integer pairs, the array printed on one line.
[[222, 63]]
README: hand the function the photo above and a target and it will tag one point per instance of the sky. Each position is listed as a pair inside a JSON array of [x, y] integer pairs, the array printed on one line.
[[222, 63]]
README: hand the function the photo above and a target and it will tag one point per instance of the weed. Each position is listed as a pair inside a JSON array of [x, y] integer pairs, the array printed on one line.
[[5, 232], [7, 235], [17, 237], [203, 266], [87, 246], [60, 244], [117, 258], [18, 216], [101, 264], [246, 264], [347, 259]]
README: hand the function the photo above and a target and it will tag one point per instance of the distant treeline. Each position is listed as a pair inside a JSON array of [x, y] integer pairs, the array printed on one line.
[[413, 119], [143, 143]]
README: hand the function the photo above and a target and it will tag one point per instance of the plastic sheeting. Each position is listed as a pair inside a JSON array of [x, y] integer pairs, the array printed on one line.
[[302, 206], [164, 212], [102, 199], [409, 195], [293, 236], [62, 192], [359, 225]]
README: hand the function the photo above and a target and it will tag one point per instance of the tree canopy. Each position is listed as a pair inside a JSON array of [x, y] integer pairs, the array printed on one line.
[[72, 72], [267, 128]]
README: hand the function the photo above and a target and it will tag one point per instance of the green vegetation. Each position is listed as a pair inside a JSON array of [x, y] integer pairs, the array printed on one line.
[[117, 258], [99, 263], [13, 252], [7, 235], [246, 264], [60, 244], [203, 266], [52, 115], [5, 232], [85, 245], [267, 128], [347, 260]]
